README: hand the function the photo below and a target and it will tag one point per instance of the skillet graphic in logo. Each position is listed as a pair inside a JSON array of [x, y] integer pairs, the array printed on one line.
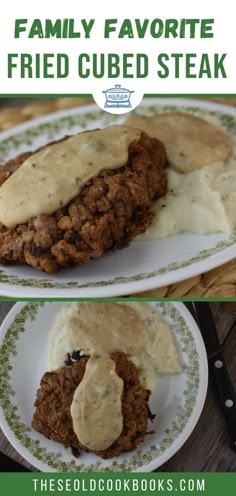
[[117, 97]]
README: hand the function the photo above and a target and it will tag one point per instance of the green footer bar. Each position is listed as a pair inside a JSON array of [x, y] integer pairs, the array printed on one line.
[[207, 484]]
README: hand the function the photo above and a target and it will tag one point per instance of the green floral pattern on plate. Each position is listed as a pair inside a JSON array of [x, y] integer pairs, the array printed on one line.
[[49, 131], [139, 458]]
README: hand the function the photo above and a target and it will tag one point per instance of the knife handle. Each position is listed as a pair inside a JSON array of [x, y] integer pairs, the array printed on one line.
[[226, 393]]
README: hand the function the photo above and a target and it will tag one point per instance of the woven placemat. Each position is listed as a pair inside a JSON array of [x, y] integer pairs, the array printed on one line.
[[218, 283]]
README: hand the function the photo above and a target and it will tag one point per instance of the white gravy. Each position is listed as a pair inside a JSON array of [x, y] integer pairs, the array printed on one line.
[[96, 406], [53, 176]]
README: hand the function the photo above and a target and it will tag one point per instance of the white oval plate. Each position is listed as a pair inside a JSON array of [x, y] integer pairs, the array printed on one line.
[[145, 264], [177, 399]]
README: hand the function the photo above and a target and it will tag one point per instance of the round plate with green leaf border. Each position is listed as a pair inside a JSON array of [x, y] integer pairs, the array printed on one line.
[[143, 265], [177, 400]]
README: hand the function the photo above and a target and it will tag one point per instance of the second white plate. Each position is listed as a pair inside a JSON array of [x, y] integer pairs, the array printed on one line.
[[177, 399]]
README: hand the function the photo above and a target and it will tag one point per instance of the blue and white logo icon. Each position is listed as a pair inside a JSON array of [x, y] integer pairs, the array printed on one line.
[[118, 97]]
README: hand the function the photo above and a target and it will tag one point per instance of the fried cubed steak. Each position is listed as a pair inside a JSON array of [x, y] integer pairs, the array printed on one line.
[[109, 212], [52, 416]]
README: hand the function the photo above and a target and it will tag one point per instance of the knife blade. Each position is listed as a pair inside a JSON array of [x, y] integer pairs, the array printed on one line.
[[217, 367]]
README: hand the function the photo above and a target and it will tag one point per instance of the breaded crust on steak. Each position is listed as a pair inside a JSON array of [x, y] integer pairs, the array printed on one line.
[[109, 212], [52, 417]]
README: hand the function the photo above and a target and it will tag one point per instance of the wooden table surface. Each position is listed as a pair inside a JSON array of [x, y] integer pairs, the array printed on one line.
[[207, 449]]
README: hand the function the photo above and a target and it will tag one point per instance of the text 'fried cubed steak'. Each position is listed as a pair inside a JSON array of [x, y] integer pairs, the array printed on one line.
[[52, 417], [109, 212]]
